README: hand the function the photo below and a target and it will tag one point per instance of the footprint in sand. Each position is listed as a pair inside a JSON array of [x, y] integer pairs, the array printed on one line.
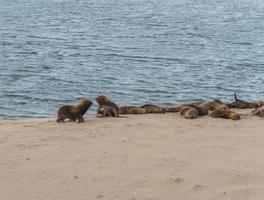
[[176, 180], [198, 187]]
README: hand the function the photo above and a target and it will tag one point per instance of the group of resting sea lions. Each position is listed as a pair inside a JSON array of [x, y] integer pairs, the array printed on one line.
[[107, 108]]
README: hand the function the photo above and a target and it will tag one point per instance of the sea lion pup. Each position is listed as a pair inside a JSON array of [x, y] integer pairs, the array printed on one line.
[[131, 110], [259, 111], [106, 108], [226, 114], [74, 112], [153, 109], [240, 104], [189, 112]]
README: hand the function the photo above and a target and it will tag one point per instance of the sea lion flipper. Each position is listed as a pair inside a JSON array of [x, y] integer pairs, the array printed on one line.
[[235, 95]]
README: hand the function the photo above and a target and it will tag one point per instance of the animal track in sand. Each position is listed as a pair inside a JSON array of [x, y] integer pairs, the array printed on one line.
[[198, 187], [177, 180]]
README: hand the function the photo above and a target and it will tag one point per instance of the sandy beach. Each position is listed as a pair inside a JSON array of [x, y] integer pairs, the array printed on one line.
[[136, 157]]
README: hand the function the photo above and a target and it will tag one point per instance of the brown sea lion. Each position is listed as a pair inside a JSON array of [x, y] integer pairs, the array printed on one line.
[[197, 103], [226, 114], [131, 110], [175, 108], [106, 108], [202, 107], [259, 111], [259, 103], [189, 112], [153, 109], [216, 104], [240, 104], [74, 112]]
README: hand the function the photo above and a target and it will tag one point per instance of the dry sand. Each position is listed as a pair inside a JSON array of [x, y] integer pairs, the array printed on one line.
[[140, 157]]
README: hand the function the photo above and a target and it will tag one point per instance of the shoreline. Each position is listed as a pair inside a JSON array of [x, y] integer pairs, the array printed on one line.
[[244, 113]]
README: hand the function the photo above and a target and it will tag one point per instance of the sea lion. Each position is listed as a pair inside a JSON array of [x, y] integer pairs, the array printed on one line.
[[106, 111], [226, 114], [216, 104], [153, 108], [240, 104], [106, 108], [175, 108], [131, 110], [189, 112], [74, 112], [259, 103], [259, 111], [202, 107], [197, 103]]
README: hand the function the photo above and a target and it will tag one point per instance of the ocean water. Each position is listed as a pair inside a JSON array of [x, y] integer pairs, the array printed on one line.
[[55, 52]]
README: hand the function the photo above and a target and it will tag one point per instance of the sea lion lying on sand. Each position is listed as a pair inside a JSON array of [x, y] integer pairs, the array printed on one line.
[[175, 108], [106, 108], [259, 111], [178, 107], [74, 112], [131, 110], [216, 104], [189, 112], [259, 103], [202, 107], [153, 109], [240, 104], [226, 114], [206, 106]]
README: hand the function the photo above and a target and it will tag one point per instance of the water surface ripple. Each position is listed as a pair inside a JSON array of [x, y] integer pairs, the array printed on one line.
[[54, 52]]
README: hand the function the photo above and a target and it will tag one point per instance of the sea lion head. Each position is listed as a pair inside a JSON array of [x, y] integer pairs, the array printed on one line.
[[102, 100], [84, 105], [234, 116], [85, 102], [189, 112]]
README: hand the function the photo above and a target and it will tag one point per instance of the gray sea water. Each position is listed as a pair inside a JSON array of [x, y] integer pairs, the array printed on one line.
[[55, 52]]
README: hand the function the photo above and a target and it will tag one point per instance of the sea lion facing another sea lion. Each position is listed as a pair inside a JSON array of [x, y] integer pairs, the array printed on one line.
[[131, 110], [240, 104], [106, 108], [226, 114], [189, 112], [153, 109], [74, 112]]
